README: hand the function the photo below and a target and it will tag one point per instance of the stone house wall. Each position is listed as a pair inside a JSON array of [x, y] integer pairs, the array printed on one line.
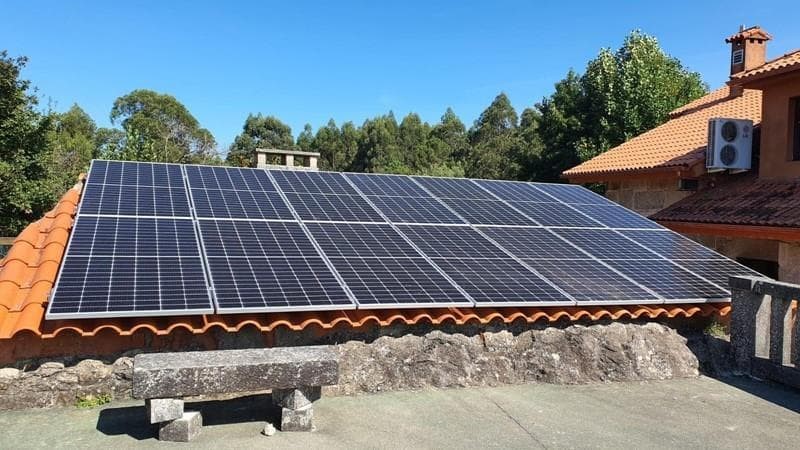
[[646, 195]]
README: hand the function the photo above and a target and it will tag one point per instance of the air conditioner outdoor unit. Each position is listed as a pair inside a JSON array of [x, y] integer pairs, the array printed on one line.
[[730, 144]]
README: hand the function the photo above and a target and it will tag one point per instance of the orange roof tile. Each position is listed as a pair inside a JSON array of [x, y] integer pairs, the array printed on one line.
[[755, 32], [677, 144], [29, 270], [783, 64]]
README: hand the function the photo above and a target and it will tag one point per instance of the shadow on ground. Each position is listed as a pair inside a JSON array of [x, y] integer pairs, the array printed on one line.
[[132, 420]]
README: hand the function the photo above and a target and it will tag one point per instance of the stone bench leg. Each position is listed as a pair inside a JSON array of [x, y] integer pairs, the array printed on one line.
[[297, 411], [174, 424]]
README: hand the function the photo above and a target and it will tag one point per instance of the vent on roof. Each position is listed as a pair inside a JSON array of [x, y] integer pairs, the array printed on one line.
[[737, 57]]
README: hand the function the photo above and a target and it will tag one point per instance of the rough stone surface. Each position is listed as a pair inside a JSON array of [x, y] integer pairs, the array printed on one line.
[[184, 429], [300, 419], [157, 375], [573, 355], [269, 430], [296, 398], [163, 409]]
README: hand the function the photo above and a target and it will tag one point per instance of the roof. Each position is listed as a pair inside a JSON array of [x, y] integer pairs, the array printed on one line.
[[744, 200], [789, 62], [29, 270], [678, 144], [755, 32]]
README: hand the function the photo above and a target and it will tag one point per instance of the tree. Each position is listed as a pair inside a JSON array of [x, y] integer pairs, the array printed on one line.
[[494, 142], [305, 140], [26, 191], [378, 149], [413, 143], [73, 142], [158, 128], [328, 142], [259, 132], [449, 138]]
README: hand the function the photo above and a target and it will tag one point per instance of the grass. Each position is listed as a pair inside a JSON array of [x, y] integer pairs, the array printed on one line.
[[716, 329], [92, 401]]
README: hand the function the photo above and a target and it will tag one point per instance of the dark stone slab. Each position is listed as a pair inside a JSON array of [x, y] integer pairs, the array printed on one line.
[[165, 375], [183, 429]]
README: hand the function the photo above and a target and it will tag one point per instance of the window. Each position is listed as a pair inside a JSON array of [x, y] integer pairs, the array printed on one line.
[[794, 126]]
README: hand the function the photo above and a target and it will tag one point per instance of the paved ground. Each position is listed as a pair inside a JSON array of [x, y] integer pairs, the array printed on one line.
[[697, 413]]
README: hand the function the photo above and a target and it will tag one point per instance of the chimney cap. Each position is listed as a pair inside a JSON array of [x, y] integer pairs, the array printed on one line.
[[754, 32]]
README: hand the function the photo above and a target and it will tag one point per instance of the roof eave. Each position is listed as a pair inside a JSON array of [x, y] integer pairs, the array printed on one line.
[[785, 234]]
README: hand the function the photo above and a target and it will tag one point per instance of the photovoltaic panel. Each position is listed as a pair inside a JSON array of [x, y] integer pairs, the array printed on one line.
[[398, 282], [312, 182], [589, 281], [671, 245], [668, 280], [135, 174], [363, 240], [112, 199], [516, 191], [346, 208], [246, 238], [414, 210], [572, 194], [717, 270], [555, 214], [501, 281], [606, 244], [487, 212], [454, 188], [451, 242], [533, 243], [616, 216], [387, 185], [238, 178], [128, 236], [217, 203]]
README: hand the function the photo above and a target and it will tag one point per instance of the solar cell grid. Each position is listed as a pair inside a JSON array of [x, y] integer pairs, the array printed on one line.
[[111, 199], [216, 203], [616, 216], [718, 270], [126, 236], [245, 238], [668, 280], [555, 214], [533, 243], [589, 281], [606, 244], [238, 178], [454, 188], [414, 210], [386, 185], [451, 242], [671, 245], [135, 174], [397, 282], [352, 239], [501, 281], [516, 191], [321, 207], [487, 212], [312, 182], [570, 193]]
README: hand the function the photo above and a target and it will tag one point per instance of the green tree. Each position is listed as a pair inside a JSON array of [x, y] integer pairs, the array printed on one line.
[[305, 140], [413, 143], [26, 191], [158, 128], [259, 132], [448, 138], [494, 142], [73, 144], [378, 149], [328, 142]]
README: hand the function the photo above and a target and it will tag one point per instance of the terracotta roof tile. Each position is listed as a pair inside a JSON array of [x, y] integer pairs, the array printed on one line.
[[786, 63], [745, 200], [754, 32], [28, 273], [678, 143]]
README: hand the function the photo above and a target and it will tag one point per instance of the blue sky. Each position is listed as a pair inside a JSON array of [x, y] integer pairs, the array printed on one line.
[[311, 61]]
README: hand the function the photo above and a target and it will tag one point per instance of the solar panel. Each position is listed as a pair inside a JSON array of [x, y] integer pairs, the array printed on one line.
[[414, 210], [453, 188], [606, 244], [245, 238], [487, 212], [112, 199], [312, 182], [493, 282], [217, 203], [345, 208], [616, 216], [555, 214], [451, 242], [355, 239], [234, 178], [121, 266], [591, 282], [135, 174], [386, 185], [668, 280], [533, 243], [671, 245], [516, 191], [572, 194], [717, 270]]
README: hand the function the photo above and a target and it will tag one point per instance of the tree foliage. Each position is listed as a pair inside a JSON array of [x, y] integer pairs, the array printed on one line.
[[259, 132]]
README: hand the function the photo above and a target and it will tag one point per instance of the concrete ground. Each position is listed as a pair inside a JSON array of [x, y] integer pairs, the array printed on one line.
[[693, 413]]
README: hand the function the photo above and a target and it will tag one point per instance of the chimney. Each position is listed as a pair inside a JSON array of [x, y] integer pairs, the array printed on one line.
[[266, 158], [748, 48]]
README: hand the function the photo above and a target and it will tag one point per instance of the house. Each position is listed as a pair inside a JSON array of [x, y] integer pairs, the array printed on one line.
[[754, 216]]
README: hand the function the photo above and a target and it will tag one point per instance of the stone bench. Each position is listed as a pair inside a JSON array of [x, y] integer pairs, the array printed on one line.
[[294, 374]]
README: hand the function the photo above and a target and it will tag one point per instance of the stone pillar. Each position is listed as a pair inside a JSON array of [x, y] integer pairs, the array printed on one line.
[[745, 305], [312, 162], [288, 160], [297, 411], [780, 324], [261, 160]]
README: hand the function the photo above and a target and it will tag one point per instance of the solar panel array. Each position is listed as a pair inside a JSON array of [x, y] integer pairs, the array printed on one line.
[[161, 239]]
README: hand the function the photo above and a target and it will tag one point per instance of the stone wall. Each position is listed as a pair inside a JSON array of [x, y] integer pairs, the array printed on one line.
[[646, 196], [419, 359]]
